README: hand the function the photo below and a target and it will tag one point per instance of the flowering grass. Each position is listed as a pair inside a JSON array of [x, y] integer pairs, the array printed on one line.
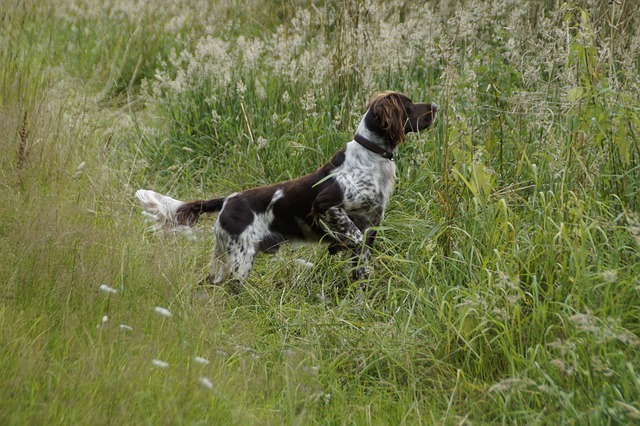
[[505, 285]]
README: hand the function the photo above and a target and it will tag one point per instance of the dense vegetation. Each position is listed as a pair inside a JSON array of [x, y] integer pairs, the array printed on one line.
[[506, 284]]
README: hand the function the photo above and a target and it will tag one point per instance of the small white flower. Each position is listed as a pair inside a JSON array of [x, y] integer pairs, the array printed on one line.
[[162, 311], [103, 322], [205, 382], [160, 364], [201, 360], [106, 289], [126, 327], [322, 297], [304, 263]]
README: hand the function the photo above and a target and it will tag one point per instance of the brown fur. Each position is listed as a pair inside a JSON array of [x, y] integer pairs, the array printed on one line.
[[389, 110]]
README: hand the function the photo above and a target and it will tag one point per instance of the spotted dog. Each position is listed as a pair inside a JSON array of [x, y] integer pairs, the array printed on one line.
[[336, 204]]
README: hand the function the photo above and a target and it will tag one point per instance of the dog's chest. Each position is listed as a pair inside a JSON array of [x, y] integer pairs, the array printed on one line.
[[366, 180]]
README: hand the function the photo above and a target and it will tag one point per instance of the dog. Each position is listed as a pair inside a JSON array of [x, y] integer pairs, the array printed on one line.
[[338, 204]]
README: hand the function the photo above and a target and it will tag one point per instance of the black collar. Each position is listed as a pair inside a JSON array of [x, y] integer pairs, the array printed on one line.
[[384, 153]]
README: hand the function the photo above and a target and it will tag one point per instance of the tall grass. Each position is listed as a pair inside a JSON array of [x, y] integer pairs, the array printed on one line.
[[505, 285]]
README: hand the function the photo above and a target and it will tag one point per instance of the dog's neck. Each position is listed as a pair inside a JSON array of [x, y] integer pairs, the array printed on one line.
[[369, 140], [373, 147]]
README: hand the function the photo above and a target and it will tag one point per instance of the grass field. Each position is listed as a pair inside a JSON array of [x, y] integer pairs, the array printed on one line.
[[506, 284]]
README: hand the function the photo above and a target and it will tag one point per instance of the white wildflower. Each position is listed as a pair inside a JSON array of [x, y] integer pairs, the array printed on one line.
[[204, 381], [322, 297], [126, 327], [103, 321], [304, 263], [201, 360], [163, 311], [106, 289], [159, 363]]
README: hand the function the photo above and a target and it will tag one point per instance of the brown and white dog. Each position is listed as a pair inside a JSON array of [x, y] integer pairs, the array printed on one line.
[[337, 203]]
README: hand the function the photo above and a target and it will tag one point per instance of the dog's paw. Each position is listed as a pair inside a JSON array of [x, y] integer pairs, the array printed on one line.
[[360, 273]]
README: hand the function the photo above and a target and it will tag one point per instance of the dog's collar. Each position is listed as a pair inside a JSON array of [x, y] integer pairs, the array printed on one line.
[[384, 153]]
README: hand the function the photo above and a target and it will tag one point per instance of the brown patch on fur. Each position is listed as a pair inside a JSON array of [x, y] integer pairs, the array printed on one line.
[[389, 110]]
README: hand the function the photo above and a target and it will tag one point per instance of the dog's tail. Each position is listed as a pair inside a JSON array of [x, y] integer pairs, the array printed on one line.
[[169, 214], [188, 213]]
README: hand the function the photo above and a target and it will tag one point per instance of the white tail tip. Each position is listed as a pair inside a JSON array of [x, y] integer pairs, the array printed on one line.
[[161, 210]]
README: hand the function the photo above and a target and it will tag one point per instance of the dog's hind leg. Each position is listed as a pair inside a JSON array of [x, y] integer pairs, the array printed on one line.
[[230, 260], [219, 265], [242, 263]]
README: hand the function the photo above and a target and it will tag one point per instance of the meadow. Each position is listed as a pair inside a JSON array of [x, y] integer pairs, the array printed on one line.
[[506, 283]]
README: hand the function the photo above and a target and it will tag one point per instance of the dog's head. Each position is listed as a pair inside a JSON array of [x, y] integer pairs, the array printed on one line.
[[393, 115]]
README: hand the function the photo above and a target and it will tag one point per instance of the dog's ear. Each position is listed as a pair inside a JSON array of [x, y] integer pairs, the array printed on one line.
[[389, 112]]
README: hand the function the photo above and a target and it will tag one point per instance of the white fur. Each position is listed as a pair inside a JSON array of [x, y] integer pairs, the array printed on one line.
[[161, 210]]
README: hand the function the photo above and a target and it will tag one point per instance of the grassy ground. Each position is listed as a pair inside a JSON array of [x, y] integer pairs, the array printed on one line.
[[506, 285]]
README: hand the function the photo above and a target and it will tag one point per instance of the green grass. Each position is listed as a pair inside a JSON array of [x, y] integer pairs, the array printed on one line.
[[506, 281]]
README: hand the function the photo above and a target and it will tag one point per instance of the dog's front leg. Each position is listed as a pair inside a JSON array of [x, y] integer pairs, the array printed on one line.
[[344, 233], [360, 268], [347, 235], [337, 223]]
